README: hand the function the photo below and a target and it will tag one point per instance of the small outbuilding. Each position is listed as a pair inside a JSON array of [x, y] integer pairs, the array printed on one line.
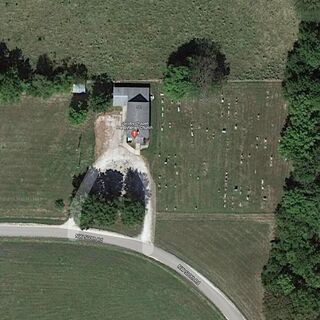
[[79, 88]]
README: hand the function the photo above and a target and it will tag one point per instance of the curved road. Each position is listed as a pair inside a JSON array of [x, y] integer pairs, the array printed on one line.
[[217, 297]]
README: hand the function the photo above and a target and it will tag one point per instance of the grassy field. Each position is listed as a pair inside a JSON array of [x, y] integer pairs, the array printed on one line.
[[230, 253], [50, 281], [39, 153], [231, 163], [133, 41]]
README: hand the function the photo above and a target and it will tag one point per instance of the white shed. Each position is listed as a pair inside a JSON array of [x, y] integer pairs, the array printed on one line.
[[79, 88]]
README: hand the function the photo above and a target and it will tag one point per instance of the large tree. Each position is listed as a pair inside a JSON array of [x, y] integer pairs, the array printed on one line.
[[198, 64]]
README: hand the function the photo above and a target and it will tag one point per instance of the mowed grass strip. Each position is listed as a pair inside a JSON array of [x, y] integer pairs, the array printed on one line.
[[230, 253], [52, 281], [219, 154], [39, 154], [132, 40]]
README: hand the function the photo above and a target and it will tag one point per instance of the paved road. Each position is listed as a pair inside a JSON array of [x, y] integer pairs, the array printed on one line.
[[218, 298]]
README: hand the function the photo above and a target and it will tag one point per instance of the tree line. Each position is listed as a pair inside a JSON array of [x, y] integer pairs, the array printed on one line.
[[292, 275], [49, 77]]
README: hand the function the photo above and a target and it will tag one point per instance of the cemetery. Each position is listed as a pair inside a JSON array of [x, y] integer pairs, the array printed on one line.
[[219, 153]]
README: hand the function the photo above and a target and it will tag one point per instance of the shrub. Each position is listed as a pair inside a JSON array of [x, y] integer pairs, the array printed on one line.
[[11, 87], [177, 82], [78, 109], [101, 93], [59, 203]]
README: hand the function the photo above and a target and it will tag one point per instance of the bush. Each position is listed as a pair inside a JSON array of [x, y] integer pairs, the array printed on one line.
[[11, 87], [59, 203], [78, 109], [101, 93], [177, 82]]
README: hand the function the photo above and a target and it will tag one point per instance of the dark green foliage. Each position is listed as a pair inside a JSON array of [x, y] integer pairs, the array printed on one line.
[[99, 212], [132, 212], [42, 86], [176, 82], [101, 93], [14, 70], [59, 203], [78, 109], [49, 78], [292, 275], [198, 64], [13, 60], [301, 137], [96, 211], [110, 200], [11, 87]]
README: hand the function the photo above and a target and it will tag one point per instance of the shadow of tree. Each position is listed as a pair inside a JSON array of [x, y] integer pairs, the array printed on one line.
[[50, 68], [134, 186], [14, 59]]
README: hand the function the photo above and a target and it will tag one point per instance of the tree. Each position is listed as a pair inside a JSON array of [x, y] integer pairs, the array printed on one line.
[[96, 211], [14, 71], [101, 93], [198, 64], [132, 212], [177, 82], [49, 78]]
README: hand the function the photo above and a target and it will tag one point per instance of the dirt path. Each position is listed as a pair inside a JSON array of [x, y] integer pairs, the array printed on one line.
[[114, 153]]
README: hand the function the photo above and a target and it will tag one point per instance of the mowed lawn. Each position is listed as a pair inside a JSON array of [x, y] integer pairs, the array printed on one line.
[[230, 253], [132, 40], [51, 281], [220, 153], [39, 154]]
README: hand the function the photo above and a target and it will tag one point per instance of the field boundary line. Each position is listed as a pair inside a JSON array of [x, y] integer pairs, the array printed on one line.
[[173, 216], [228, 81]]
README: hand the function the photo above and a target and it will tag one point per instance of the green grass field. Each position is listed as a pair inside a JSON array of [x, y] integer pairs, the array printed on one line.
[[50, 281], [133, 40], [39, 154], [230, 253], [212, 171]]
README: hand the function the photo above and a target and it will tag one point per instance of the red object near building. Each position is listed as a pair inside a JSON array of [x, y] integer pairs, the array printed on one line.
[[134, 133]]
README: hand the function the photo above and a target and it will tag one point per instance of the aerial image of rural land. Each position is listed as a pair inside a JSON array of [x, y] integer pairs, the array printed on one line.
[[160, 160]]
